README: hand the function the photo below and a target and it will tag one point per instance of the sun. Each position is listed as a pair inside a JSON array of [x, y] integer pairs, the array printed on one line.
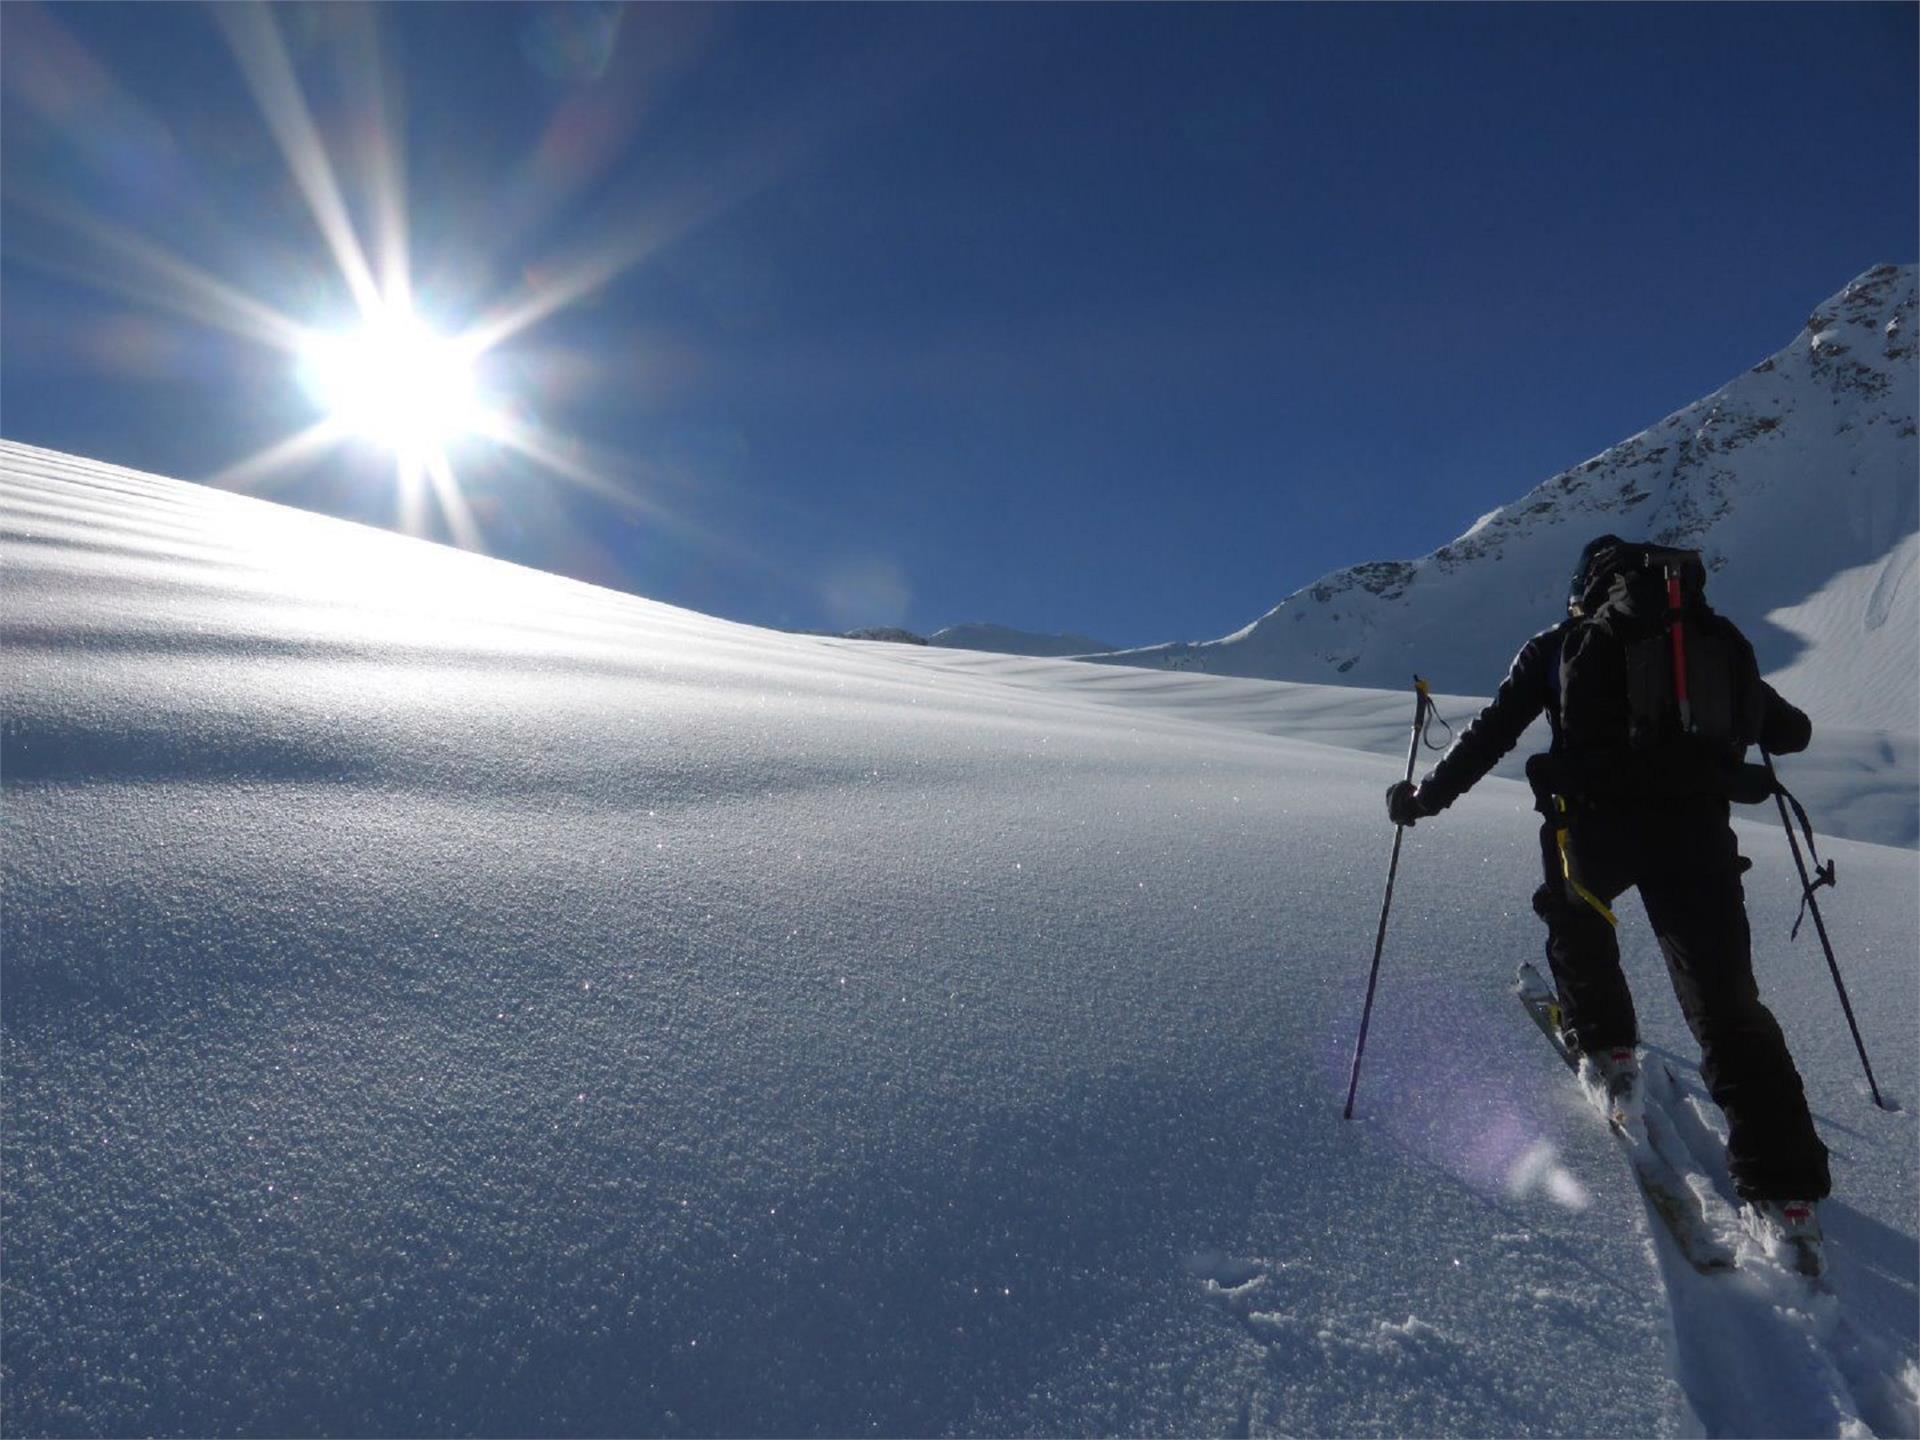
[[378, 370], [395, 381]]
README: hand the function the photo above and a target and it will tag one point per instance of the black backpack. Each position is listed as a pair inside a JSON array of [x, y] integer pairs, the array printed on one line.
[[1659, 695]]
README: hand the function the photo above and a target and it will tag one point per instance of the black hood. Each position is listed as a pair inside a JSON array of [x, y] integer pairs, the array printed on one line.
[[1598, 560]]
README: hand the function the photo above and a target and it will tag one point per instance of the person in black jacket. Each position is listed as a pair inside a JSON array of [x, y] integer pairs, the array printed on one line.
[[1675, 844]]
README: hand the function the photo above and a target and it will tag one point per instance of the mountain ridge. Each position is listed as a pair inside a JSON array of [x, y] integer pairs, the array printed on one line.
[[1746, 474]]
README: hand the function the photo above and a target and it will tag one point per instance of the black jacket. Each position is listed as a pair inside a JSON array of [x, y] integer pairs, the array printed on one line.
[[1532, 687]]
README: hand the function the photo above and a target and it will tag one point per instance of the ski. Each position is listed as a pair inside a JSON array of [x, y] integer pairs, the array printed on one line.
[[1668, 1196]]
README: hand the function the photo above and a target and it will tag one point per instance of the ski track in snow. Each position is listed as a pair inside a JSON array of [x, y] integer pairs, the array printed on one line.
[[1762, 1351], [439, 997]]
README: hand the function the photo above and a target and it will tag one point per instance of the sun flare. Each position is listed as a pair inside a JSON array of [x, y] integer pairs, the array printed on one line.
[[394, 381], [378, 373]]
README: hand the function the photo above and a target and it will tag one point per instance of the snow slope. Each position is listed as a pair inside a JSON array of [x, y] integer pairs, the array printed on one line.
[[1796, 480], [1855, 783], [1005, 641], [441, 997]]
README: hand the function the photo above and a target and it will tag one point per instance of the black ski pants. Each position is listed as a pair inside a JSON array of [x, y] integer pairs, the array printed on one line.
[[1686, 864]]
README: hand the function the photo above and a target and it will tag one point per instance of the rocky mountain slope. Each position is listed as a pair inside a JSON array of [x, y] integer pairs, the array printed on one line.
[[1796, 480]]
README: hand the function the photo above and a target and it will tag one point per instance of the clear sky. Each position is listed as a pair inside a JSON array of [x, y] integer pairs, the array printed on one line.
[[1128, 320]]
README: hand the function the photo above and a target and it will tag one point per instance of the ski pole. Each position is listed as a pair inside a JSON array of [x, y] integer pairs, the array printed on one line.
[[1422, 702], [1812, 904]]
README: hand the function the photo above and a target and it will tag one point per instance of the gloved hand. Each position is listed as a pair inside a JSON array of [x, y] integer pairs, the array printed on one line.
[[1748, 784], [1404, 805]]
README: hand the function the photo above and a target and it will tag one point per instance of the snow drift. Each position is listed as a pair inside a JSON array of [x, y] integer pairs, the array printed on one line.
[[439, 997]]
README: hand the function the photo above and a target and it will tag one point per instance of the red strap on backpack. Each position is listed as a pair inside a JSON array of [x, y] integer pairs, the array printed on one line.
[[1679, 647]]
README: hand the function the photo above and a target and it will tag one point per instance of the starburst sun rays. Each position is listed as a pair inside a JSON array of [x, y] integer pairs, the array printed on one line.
[[392, 376], [383, 372]]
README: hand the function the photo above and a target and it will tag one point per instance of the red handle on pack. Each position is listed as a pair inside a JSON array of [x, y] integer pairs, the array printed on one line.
[[1679, 646]]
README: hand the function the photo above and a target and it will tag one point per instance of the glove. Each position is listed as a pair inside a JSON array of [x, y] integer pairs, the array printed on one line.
[[1748, 784], [1404, 805]]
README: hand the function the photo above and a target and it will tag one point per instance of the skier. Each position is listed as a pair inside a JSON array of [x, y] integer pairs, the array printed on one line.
[[1624, 808]]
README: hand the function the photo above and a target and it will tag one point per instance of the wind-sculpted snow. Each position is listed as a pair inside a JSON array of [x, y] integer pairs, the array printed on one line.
[[438, 997], [1796, 480]]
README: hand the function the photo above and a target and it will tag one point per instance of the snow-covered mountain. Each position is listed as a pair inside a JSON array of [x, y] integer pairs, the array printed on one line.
[[437, 997], [1797, 480], [1003, 640]]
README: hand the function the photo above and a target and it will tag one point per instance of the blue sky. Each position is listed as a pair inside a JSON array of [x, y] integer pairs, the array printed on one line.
[[1124, 320]]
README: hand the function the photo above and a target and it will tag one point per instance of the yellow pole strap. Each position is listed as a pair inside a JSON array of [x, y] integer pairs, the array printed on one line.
[[1566, 867]]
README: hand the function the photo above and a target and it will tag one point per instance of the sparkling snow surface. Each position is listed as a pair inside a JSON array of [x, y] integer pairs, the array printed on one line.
[[440, 997]]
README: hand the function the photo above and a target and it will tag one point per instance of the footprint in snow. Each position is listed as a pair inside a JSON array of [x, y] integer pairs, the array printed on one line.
[[1224, 1277]]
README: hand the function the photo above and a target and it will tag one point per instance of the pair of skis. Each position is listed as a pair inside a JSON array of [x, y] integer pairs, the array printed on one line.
[[1654, 1150]]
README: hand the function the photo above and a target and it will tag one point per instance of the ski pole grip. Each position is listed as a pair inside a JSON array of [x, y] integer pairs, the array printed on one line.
[[1423, 703]]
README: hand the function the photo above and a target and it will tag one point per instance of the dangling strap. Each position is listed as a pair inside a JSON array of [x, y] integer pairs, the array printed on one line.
[[1565, 842], [1823, 874]]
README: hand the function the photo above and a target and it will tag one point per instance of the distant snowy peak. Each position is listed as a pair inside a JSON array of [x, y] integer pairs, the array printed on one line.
[[1788, 478], [1004, 641]]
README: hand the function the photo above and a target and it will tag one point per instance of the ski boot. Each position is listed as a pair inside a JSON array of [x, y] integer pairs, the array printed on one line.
[[1789, 1231], [1616, 1080]]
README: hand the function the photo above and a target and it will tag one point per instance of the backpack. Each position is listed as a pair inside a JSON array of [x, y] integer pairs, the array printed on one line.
[[1659, 695]]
